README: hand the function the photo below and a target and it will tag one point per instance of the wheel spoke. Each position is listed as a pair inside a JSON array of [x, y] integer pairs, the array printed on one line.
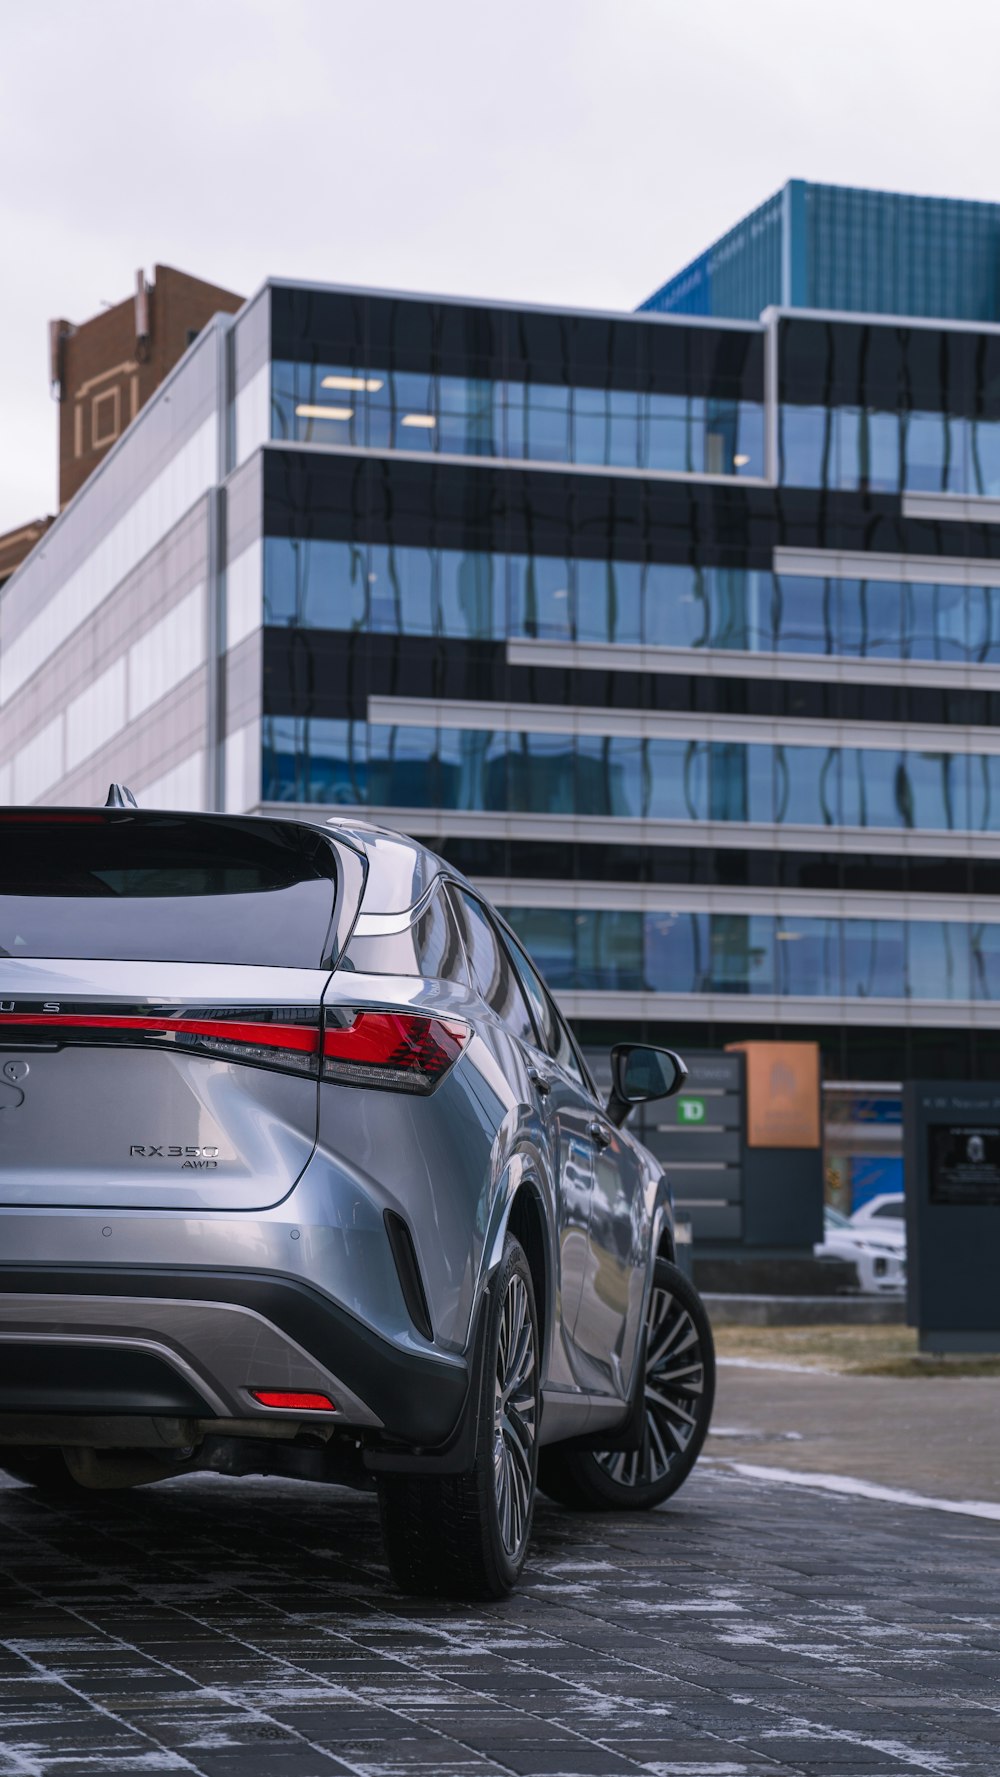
[[515, 1415], [673, 1387]]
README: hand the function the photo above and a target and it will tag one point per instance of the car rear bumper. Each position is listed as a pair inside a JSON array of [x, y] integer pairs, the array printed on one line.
[[193, 1342]]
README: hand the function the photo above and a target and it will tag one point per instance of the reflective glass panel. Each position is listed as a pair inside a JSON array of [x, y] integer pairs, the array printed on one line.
[[807, 446], [676, 607], [471, 595], [540, 588], [985, 961], [807, 956], [741, 953], [807, 786], [549, 933], [874, 958], [676, 952], [984, 793], [805, 613], [609, 951], [938, 958]]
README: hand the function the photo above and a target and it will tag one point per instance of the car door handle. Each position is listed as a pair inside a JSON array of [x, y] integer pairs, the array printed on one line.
[[600, 1135], [541, 1084]]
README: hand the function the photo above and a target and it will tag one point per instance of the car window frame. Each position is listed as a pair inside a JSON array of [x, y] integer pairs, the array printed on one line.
[[460, 888], [514, 944]]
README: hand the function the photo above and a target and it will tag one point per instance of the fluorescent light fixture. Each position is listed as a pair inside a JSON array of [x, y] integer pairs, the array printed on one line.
[[364, 385], [788, 937], [306, 411], [561, 592], [741, 462], [426, 420]]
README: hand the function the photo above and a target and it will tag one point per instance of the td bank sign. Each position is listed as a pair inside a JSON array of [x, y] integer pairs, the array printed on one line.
[[690, 1110]]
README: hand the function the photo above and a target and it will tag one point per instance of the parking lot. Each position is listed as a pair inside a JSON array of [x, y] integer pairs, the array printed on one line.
[[749, 1627]]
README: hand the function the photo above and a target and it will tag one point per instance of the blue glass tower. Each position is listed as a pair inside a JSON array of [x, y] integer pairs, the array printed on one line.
[[834, 247]]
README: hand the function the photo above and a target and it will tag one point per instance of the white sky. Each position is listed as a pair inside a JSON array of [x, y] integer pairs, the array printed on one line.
[[569, 151]]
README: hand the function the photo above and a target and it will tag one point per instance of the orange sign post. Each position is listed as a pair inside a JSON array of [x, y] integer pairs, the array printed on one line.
[[782, 1094]]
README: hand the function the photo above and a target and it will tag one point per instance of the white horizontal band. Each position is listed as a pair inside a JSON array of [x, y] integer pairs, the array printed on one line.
[[458, 714], [741, 663], [918, 570], [762, 1008], [640, 897], [437, 825]]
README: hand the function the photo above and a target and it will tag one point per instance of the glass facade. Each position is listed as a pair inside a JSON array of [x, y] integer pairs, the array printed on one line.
[[740, 953], [836, 247], [863, 448], [543, 422], [369, 764], [395, 589]]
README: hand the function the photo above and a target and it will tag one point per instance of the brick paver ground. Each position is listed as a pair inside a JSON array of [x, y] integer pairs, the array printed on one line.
[[247, 1628]]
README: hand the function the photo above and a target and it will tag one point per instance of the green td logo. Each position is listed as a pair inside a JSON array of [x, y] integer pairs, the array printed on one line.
[[690, 1110]]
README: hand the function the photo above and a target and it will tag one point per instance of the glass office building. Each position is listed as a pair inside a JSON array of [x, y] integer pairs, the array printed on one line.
[[836, 247], [680, 636]]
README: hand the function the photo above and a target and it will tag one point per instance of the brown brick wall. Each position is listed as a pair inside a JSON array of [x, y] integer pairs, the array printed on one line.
[[107, 374], [16, 544]]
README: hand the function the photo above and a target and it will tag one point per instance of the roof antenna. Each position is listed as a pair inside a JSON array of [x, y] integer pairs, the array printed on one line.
[[120, 796]]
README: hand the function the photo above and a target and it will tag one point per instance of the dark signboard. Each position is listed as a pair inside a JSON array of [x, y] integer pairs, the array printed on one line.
[[951, 1132], [964, 1162]]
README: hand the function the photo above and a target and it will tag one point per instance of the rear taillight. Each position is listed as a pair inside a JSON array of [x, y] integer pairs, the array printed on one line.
[[279, 1037], [394, 1050], [397, 1051]]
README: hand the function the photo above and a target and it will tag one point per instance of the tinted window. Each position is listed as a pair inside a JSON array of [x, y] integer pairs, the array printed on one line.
[[431, 947], [556, 1039], [492, 971], [893, 1210], [164, 888]]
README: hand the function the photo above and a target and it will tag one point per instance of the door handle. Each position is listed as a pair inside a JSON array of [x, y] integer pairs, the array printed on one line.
[[540, 1083], [600, 1135]]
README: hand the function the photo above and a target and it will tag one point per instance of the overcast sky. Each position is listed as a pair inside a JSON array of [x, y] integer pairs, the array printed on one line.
[[568, 151]]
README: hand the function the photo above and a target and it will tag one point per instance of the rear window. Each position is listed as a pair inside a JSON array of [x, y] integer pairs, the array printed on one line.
[[165, 888]]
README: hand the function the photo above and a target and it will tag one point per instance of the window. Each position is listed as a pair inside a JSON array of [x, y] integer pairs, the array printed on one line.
[[556, 1040], [493, 973], [166, 888]]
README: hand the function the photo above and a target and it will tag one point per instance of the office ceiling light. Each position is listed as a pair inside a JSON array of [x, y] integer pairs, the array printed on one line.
[[788, 937], [741, 462], [426, 420], [365, 385], [307, 411]]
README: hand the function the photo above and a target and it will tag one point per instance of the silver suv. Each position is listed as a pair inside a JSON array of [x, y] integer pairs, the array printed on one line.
[[302, 1173]]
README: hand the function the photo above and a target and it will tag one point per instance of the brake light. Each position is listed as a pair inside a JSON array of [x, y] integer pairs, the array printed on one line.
[[397, 1051], [286, 1038], [297, 1400]]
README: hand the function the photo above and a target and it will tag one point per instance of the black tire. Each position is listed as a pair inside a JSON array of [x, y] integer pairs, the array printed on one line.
[[679, 1394], [466, 1536]]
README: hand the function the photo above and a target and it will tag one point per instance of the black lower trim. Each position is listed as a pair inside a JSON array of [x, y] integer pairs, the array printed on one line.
[[418, 1398], [86, 1379], [408, 1271]]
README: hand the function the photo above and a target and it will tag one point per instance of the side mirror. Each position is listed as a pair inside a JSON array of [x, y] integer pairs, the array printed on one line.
[[639, 1074]]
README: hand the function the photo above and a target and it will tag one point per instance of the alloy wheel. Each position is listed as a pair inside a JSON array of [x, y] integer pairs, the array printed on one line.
[[673, 1390], [515, 1416]]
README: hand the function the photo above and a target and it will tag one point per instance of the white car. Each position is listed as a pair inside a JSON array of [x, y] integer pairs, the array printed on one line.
[[880, 1261], [883, 1218]]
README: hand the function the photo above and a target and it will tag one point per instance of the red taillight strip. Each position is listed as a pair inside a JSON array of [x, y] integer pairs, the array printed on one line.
[[301, 1037], [379, 1036]]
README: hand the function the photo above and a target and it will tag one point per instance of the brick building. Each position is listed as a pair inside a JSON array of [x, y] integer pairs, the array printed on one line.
[[105, 370]]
